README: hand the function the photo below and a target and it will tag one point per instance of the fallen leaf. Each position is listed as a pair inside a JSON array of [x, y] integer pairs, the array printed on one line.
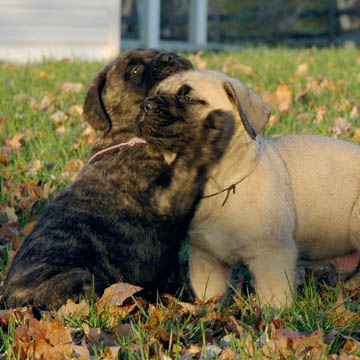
[[342, 316], [59, 117], [227, 354], [76, 110], [354, 113], [2, 124], [283, 94], [274, 119], [74, 165], [10, 213], [247, 70], [33, 103], [45, 102], [61, 129], [26, 230], [112, 352], [302, 68], [72, 309], [116, 294], [281, 97], [89, 135], [72, 87], [122, 331], [320, 113], [3, 159], [82, 350], [15, 141], [341, 126], [45, 339]]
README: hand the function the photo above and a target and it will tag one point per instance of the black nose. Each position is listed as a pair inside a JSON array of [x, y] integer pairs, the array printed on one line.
[[146, 106]]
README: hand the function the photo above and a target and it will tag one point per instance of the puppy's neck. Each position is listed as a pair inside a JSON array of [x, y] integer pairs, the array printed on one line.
[[114, 136], [239, 161]]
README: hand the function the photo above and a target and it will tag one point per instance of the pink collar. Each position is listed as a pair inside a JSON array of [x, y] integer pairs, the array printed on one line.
[[131, 142]]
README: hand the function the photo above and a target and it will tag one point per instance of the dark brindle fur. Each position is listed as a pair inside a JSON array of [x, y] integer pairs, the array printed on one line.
[[105, 225]]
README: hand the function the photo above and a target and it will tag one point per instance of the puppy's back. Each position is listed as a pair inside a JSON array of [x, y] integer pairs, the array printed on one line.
[[325, 177]]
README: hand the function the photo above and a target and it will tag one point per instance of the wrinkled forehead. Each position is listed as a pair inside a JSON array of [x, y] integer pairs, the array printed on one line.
[[204, 84]]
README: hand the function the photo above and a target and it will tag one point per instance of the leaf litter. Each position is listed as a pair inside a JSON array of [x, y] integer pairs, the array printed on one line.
[[172, 328]]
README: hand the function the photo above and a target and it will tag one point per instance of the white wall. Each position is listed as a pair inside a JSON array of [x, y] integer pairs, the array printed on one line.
[[32, 29]]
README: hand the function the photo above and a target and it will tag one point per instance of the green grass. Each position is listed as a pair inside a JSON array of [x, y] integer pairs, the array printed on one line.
[[44, 164]]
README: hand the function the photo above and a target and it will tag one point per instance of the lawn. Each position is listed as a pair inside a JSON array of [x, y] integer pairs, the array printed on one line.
[[44, 142]]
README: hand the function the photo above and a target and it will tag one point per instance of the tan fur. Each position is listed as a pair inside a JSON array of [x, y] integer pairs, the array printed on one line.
[[297, 196]]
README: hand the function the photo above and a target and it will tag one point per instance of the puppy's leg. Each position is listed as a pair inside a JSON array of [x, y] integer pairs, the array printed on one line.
[[274, 271], [191, 166], [354, 281], [208, 275], [41, 289]]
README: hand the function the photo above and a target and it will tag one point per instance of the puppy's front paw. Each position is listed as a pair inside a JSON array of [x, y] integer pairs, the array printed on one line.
[[217, 132]]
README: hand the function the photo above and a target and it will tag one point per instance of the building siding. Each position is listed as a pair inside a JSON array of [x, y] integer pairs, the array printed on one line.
[[33, 29]]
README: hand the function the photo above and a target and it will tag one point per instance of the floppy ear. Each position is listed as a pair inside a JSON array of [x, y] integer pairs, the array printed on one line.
[[254, 112], [94, 108]]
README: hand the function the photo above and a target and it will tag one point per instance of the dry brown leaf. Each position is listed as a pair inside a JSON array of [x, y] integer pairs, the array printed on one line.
[[198, 60], [76, 110], [74, 165], [283, 94], [320, 113], [342, 316], [341, 126], [59, 117], [70, 309], [45, 102], [247, 70], [281, 97], [354, 113], [33, 103], [227, 354], [89, 135], [61, 129], [15, 141], [270, 98], [112, 352], [10, 213], [194, 349], [2, 124], [302, 68], [116, 294], [122, 331], [75, 87], [3, 160], [82, 350], [44, 339], [274, 119], [26, 230], [357, 134]]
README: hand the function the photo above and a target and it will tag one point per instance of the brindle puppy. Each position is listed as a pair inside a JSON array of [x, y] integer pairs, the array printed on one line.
[[102, 225]]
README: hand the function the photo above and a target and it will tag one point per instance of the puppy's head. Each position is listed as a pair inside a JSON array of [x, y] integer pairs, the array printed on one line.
[[164, 121], [216, 91], [115, 93]]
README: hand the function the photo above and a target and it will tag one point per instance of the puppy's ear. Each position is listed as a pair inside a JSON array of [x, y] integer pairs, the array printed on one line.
[[254, 112], [94, 108]]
